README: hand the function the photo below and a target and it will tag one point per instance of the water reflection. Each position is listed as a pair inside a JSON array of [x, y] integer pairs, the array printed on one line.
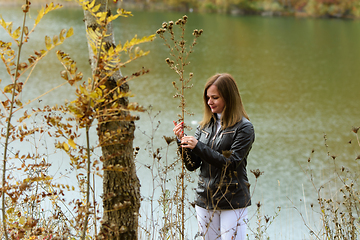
[[298, 79]]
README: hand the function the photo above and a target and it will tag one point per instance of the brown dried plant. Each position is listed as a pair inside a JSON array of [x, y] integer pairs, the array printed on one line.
[[28, 192], [179, 54], [338, 200]]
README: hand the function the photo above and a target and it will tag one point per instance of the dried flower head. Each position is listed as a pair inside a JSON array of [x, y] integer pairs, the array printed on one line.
[[171, 24], [257, 173], [26, 7], [170, 62], [226, 153], [169, 139], [197, 33], [160, 31], [355, 129]]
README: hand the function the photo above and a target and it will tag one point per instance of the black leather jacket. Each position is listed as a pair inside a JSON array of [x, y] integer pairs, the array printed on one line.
[[223, 182]]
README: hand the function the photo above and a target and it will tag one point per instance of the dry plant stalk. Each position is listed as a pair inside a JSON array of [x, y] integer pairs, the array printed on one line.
[[179, 60], [13, 193], [339, 210]]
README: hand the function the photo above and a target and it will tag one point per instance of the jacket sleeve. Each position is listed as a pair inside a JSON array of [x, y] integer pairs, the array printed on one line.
[[191, 160], [242, 143]]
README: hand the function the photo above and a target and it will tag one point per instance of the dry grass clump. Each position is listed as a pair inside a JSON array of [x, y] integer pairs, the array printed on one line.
[[338, 200]]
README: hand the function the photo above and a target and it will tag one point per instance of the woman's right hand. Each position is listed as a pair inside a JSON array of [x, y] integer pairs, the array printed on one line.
[[179, 129]]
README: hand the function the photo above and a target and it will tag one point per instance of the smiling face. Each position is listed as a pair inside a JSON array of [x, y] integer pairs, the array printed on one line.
[[214, 100]]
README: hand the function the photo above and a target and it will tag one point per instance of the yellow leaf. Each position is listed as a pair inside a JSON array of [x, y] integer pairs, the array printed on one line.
[[66, 147], [73, 68], [48, 42], [64, 74], [123, 12], [8, 88], [16, 33], [62, 32], [22, 220], [96, 8], [2, 22], [112, 18], [55, 39], [39, 16], [9, 27], [93, 95], [79, 76], [26, 30], [99, 92], [72, 143], [101, 15], [49, 8], [91, 5], [70, 32], [10, 210], [83, 90]]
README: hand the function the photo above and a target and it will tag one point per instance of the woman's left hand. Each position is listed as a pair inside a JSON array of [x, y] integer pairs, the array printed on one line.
[[188, 142]]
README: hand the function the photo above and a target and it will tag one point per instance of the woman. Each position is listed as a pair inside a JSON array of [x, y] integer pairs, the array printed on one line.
[[220, 148]]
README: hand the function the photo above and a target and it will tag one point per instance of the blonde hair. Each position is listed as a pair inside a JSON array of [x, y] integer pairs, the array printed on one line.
[[234, 110]]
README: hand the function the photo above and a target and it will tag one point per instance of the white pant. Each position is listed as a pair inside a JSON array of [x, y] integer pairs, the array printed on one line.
[[222, 224]]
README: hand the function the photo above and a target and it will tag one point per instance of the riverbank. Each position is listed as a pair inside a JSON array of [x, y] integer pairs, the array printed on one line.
[[37, 3], [314, 9]]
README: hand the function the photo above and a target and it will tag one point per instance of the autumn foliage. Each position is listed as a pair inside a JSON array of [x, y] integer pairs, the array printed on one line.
[[27, 184]]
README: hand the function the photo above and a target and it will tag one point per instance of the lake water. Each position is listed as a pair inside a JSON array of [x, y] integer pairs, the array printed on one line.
[[299, 80]]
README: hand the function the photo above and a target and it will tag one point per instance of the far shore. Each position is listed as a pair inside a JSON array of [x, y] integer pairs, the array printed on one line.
[[159, 6], [36, 3]]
